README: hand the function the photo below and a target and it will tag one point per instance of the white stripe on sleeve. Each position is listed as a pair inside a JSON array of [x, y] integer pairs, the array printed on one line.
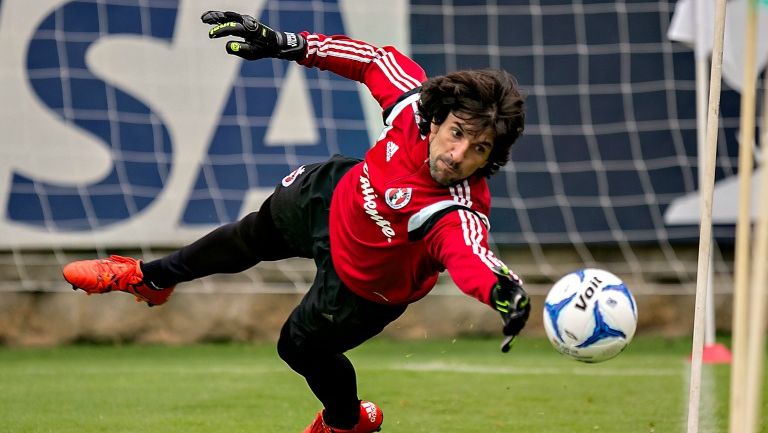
[[414, 82], [475, 235], [396, 70], [392, 79]]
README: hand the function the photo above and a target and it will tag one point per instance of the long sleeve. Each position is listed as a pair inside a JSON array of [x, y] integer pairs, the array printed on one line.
[[385, 71], [459, 241]]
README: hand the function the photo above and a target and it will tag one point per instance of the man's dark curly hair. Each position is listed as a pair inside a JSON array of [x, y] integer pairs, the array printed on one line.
[[487, 99]]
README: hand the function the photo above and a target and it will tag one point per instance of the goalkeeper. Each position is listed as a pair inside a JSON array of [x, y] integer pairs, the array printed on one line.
[[380, 230]]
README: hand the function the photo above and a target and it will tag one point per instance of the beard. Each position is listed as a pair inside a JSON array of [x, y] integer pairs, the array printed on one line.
[[445, 175]]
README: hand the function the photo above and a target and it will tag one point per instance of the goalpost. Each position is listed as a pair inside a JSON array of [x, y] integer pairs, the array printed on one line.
[[705, 232]]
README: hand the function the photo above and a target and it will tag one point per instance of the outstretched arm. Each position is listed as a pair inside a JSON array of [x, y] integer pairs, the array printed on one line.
[[459, 241], [385, 71]]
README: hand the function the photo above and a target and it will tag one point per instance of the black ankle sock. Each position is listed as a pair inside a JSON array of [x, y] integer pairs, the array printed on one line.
[[150, 278], [344, 422]]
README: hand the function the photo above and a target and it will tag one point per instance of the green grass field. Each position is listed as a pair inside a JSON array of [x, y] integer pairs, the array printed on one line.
[[424, 386]]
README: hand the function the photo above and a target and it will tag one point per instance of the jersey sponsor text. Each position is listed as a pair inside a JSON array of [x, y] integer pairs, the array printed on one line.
[[370, 207]]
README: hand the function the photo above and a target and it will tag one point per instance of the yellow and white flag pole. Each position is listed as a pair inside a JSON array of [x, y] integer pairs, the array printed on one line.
[[740, 321], [705, 230]]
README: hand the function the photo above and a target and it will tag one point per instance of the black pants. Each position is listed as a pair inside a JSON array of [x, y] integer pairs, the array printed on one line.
[[330, 319]]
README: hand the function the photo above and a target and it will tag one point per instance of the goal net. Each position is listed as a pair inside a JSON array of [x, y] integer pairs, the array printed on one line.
[[125, 130]]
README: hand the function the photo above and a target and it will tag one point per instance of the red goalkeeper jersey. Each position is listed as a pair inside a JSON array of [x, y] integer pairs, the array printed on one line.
[[393, 229]]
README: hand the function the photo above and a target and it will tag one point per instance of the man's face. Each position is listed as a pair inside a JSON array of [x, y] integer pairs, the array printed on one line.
[[456, 151]]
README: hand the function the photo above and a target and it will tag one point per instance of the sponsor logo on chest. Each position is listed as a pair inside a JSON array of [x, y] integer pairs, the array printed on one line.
[[397, 198], [370, 207]]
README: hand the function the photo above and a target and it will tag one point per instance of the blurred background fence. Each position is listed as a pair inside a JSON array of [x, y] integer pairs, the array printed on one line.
[[124, 129]]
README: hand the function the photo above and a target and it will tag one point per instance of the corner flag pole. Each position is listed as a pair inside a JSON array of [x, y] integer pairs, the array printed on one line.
[[757, 307], [705, 230], [741, 274], [702, 87]]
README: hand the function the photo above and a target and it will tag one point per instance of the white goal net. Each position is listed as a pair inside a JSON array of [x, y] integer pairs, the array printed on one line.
[[129, 131]]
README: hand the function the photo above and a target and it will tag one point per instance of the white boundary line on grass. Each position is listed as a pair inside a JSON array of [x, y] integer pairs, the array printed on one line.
[[586, 370], [708, 406], [593, 370]]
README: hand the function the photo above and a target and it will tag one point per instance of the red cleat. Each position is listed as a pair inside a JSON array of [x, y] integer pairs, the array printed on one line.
[[319, 426], [371, 418], [115, 273], [370, 421]]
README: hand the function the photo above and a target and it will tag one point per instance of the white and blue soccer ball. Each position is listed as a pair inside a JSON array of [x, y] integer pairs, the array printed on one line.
[[590, 315]]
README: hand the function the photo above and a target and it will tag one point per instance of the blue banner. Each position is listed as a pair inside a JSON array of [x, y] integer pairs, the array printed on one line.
[[130, 127]]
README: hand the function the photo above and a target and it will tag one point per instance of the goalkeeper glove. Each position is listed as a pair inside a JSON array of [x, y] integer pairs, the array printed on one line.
[[259, 41], [512, 302]]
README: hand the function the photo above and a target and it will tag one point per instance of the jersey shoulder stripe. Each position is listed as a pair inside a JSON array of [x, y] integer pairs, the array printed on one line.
[[390, 113], [422, 221], [389, 59], [385, 58]]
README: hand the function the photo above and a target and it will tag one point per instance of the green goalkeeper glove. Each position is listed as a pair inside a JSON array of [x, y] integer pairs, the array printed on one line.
[[259, 41], [512, 302]]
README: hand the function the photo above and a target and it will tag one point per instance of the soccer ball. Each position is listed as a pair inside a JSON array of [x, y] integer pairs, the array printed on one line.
[[590, 315]]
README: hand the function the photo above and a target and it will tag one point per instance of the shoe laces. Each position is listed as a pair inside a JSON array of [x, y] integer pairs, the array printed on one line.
[[118, 272]]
